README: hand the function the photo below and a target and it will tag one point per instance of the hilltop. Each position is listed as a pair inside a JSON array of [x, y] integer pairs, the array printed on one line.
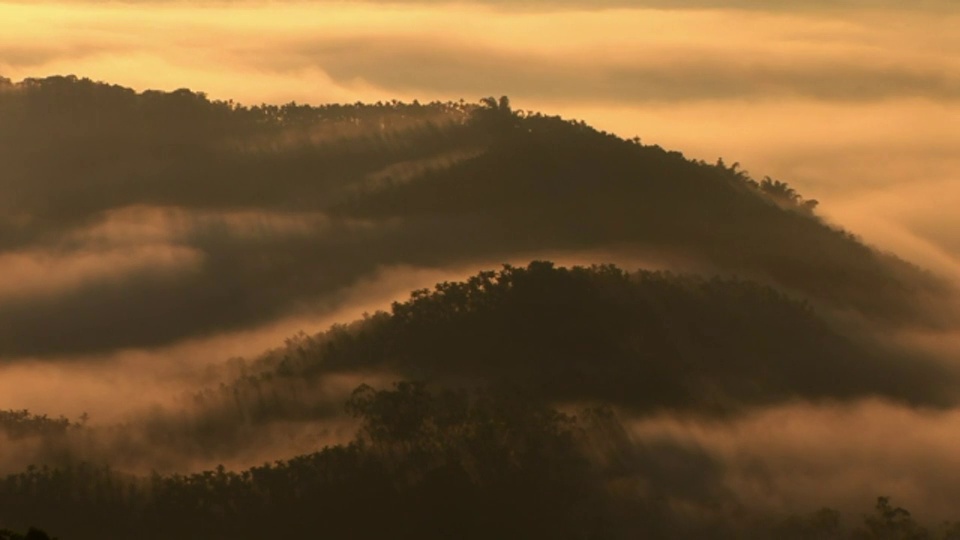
[[292, 203], [515, 400]]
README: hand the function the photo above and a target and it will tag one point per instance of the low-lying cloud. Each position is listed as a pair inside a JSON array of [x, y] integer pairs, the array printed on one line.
[[115, 302], [806, 456]]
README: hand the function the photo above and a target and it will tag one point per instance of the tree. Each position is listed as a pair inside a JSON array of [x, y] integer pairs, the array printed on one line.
[[890, 523]]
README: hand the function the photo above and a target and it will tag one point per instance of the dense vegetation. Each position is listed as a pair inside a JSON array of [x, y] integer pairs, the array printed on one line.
[[486, 452], [185, 218], [428, 464], [647, 341], [19, 424], [290, 204]]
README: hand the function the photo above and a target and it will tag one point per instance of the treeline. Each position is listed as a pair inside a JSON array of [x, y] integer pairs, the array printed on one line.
[[182, 149], [370, 186], [434, 464], [74, 98], [887, 522], [648, 341], [558, 183], [424, 464], [17, 424]]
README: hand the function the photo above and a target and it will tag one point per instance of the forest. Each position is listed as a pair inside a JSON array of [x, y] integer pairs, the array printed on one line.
[[522, 397], [194, 195], [434, 464]]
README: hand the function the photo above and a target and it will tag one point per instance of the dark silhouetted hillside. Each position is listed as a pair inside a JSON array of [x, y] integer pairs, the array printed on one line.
[[648, 341], [256, 211], [141, 220], [437, 464]]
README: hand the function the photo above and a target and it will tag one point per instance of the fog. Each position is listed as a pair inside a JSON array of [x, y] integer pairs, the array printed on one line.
[[159, 253], [808, 456], [119, 386]]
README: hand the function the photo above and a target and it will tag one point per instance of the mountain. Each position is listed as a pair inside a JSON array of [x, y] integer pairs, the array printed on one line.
[[483, 442], [646, 341], [437, 464], [224, 217], [533, 400]]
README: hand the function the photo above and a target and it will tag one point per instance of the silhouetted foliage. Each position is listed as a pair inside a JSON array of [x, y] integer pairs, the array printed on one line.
[[885, 523], [19, 424], [424, 465], [292, 203], [647, 340], [277, 207], [893, 523], [434, 464]]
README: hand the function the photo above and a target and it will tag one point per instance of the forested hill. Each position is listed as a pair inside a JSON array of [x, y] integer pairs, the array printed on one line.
[[430, 464], [476, 438], [645, 342], [291, 203], [642, 341]]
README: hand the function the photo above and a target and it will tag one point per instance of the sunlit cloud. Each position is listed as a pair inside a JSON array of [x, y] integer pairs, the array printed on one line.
[[38, 273], [623, 55], [807, 456]]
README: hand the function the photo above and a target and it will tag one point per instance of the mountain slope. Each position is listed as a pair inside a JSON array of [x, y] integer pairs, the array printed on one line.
[[222, 217], [646, 341]]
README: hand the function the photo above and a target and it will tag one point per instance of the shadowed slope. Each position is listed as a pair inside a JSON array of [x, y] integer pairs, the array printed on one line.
[[647, 341], [157, 217]]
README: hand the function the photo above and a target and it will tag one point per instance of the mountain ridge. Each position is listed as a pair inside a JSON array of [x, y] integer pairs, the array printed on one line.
[[290, 203]]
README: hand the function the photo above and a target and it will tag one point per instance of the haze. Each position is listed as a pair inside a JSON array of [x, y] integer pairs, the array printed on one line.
[[169, 261]]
